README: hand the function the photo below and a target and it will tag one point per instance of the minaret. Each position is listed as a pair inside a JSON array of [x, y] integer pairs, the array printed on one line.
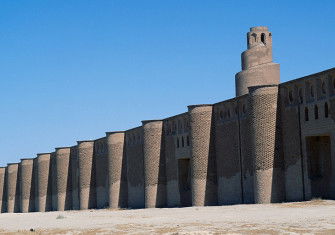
[[257, 66]]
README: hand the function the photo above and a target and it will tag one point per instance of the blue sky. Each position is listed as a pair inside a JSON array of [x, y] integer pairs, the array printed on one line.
[[72, 70]]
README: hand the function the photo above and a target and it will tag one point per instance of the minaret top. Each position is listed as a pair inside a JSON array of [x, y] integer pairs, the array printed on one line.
[[259, 35], [259, 28], [257, 66]]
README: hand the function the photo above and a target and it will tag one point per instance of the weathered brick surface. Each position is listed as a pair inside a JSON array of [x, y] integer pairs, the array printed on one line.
[[203, 174], [62, 156], [2, 187], [26, 177], [101, 172], [74, 165], [269, 144], [87, 197], [43, 171], [135, 169], [264, 141], [12, 188], [117, 190], [154, 164]]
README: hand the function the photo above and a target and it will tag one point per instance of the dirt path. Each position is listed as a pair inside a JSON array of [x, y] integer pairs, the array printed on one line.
[[314, 217]]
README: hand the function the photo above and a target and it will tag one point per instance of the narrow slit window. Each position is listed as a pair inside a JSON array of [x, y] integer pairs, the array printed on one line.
[[306, 115], [326, 110], [263, 38], [316, 112], [177, 142], [182, 142]]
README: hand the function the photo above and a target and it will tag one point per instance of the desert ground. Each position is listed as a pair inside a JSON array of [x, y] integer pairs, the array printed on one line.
[[312, 217]]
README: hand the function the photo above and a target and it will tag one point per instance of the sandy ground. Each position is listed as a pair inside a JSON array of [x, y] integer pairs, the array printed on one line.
[[314, 217]]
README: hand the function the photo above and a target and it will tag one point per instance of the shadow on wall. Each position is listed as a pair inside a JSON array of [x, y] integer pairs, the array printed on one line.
[[4, 196], [278, 183], [68, 196], [92, 194], [211, 194], [123, 194], [161, 187]]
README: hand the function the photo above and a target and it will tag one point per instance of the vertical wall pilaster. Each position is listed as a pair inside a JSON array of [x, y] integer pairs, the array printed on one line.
[[62, 156], [85, 161], [26, 176], [116, 168], [2, 186], [12, 202], [265, 152], [42, 181], [203, 180], [154, 164], [75, 177], [53, 181]]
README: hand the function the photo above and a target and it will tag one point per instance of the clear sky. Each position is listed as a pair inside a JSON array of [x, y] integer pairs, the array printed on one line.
[[72, 70]]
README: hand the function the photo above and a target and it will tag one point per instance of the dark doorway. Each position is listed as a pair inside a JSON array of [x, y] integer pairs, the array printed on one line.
[[184, 179], [319, 165]]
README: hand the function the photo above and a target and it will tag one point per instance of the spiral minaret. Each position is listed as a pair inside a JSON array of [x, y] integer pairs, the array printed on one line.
[[257, 66]]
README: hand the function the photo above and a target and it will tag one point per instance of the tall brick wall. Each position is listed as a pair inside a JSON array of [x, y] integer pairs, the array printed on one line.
[[101, 172], [74, 162], [154, 164], [117, 170], [246, 158], [2, 187], [172, 189], [26, 182], [265, 145], [227, 150], [135, 169], [42, 182], [203, 172], [291, 145], [62, 158], [12, 188], [87, 196]]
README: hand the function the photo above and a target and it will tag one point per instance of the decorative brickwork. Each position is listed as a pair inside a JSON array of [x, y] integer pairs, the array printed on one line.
[[154, 164], [62, 156], [26, 177], [85, 162], [203, 183], [272, 143], [43, 171], [116, 168], [13, 203]]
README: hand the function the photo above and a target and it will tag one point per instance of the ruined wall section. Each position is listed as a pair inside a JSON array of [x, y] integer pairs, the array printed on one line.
[[101, 172], [135, 169]]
